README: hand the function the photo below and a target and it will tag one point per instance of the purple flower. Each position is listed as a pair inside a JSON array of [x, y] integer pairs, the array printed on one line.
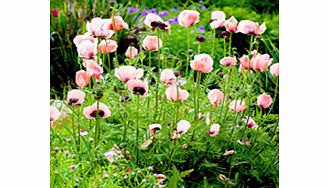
[[132, 10], [153, 10], [163, 13], [73, 167], [201, 28], [144, 12], [173, 20], [203, 7], [175, 9]]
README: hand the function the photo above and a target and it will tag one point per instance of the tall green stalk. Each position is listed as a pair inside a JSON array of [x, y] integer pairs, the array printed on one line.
[[213, 42], [196, 102], [137, 128]]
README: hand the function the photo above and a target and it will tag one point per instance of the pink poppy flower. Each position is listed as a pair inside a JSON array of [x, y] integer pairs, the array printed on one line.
[[274, 70], [154, 127], [183, 126], [131, 52], [160, 176], [228, 61], [138, 87], [214, 129], [260, 62], [126, 73], [171, 93], [244, 62], [107, 46], [217, 24], [54, 114], [237, 106], [90, 112], [188, 18], [75, 97], [231, 25], [264, 100], [94, 69], [117, 23], [218, 15], [250, 27], [64, 110], [168, 77], [151, 17], [79, 38], [251, 123], [82, 78], [98, 27], [87, 49], [202, 63], [151, 43], [215, 96]]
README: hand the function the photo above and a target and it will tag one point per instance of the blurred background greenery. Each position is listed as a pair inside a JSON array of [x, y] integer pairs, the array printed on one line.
[[73, 15]]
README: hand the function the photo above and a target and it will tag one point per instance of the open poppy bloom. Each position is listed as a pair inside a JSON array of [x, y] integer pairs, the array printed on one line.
[[237, 106], [126, 73], [75, 97], [91, 112], [217, 19], [82, 78], [228, 61], [202, 63], [215, 96], [183, 126], [154, 127], [249, 122], [131, 52], [117, 23], [152, 43], [138, 87], [54, 114], [87, 49], [98, 27], [171, 93], [94, 69], [250, 27], [168, 77], [264, 100], [214, 129], [274, 70], [107, 46], [188, 18], [231, 25]]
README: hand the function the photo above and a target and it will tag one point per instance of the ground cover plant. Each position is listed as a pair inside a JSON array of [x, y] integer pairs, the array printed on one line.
[[181, 98]]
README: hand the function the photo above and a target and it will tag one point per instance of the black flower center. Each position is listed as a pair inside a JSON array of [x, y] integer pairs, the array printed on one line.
[[73, 101], [139, 90], [100, 113]]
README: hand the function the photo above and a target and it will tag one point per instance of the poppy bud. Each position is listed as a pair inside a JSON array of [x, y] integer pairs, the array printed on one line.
[[221, 74], [131, 40], [190, 51]]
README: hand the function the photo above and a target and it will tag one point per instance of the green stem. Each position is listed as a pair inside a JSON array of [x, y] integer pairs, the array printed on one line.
[[251, 42], [213, 43], [150, 63], [137, 128], [230, 45], [196, 102], [224, 46]]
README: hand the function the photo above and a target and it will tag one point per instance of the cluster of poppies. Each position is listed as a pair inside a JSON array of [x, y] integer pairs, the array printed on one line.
[[97, 39]]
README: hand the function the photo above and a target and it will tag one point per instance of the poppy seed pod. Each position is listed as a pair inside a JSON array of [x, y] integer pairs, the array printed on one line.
[[201, 38], [190, 51], [98, 93]]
